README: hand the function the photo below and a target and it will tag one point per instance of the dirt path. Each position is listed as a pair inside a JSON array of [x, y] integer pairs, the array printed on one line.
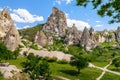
[[104, 70]]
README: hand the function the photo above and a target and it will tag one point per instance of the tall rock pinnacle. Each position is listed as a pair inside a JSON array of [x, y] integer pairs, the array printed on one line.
[[8, 31], [56, 23]]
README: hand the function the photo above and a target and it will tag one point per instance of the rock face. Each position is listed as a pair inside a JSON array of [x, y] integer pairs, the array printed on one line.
[[86, 39], [8, 31], [56, 26], [42, 39], [73, 35], [118, 34], [56, 23], [5, 22], [12, 38]]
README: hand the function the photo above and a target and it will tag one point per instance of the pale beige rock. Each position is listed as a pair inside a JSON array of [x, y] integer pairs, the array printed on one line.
[[8, 31]]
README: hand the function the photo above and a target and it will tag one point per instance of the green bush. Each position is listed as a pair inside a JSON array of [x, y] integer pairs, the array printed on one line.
[[34, 46], [20, 46], [53, 59], [63, 61]]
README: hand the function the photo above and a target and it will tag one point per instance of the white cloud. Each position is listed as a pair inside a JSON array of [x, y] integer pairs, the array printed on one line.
[[79, 24], [24, 16], [67, 15], [58, 2], [97, 21], [27, 26], [99, 25], [66, 1], [1, 9]]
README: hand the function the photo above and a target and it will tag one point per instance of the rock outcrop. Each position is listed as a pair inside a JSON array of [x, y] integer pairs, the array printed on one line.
[[43, 38], [56, 26], [5, 22], [12, 38], [73, 35], [118, 34], [8, 31], [86, 40], [56, 23]]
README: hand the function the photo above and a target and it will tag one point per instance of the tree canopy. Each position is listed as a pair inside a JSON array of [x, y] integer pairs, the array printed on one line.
[[109, 8], [79, 62]]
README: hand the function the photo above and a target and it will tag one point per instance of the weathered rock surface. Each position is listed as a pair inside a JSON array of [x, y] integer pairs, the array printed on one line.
[[5, 22], [56, 23], [118, 34], [86, 39], [8, 31], [56, 26], [43, 38], [42, 53], [12, 38], [9, 71], [73, 35]]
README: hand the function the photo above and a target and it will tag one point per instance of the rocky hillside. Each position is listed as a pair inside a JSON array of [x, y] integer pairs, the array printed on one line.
[[8, 32], [29, 33], [56, 26]]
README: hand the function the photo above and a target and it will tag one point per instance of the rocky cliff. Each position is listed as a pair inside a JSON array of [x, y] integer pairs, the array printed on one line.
[[43, 38], [56, 26], [73, 35], [56, 23], [8, 31]]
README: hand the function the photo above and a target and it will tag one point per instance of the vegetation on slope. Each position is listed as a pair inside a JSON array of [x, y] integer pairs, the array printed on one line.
[[29, 33]]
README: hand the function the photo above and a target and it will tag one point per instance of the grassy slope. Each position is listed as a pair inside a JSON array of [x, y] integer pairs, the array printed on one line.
[[68, 71], [109, 76], [29, 33]]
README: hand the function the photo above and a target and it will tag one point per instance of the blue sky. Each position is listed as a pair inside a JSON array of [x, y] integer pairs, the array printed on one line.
[[28, 13]]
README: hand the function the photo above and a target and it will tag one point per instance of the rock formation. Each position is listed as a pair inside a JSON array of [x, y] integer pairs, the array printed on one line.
[[42, 39], [118, 34], [5, 22], [12, 38], [86, 40], [56, 23], [73, 35], [8, 31]]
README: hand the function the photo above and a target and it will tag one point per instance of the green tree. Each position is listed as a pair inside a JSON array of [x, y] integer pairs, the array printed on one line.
[[79, 62], [116, 62], [36, 67], [5, 54], [16, 53], [1, 76], [109, 8]]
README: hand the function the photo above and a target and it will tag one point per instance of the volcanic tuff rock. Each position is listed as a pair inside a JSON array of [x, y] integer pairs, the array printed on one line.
[[5, 22], [73, 35], [56, 23], [8, 31], [86, 39], [43, 38], [118, 34], [56, 26]]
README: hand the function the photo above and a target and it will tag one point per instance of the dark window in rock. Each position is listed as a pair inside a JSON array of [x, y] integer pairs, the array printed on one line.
[[5, 15], [13, 35]]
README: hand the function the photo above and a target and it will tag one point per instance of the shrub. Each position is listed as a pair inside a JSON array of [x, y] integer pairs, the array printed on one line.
[[63, 61], [34, 46], [53, 59]]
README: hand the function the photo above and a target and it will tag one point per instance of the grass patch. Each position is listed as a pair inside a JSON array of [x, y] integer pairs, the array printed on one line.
[[17, 62], [100, 64], [68, 71], [113, 68], [110, 76]]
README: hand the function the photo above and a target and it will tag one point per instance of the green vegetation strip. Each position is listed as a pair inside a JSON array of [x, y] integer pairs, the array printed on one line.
[[110, 76], [69, 72]]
